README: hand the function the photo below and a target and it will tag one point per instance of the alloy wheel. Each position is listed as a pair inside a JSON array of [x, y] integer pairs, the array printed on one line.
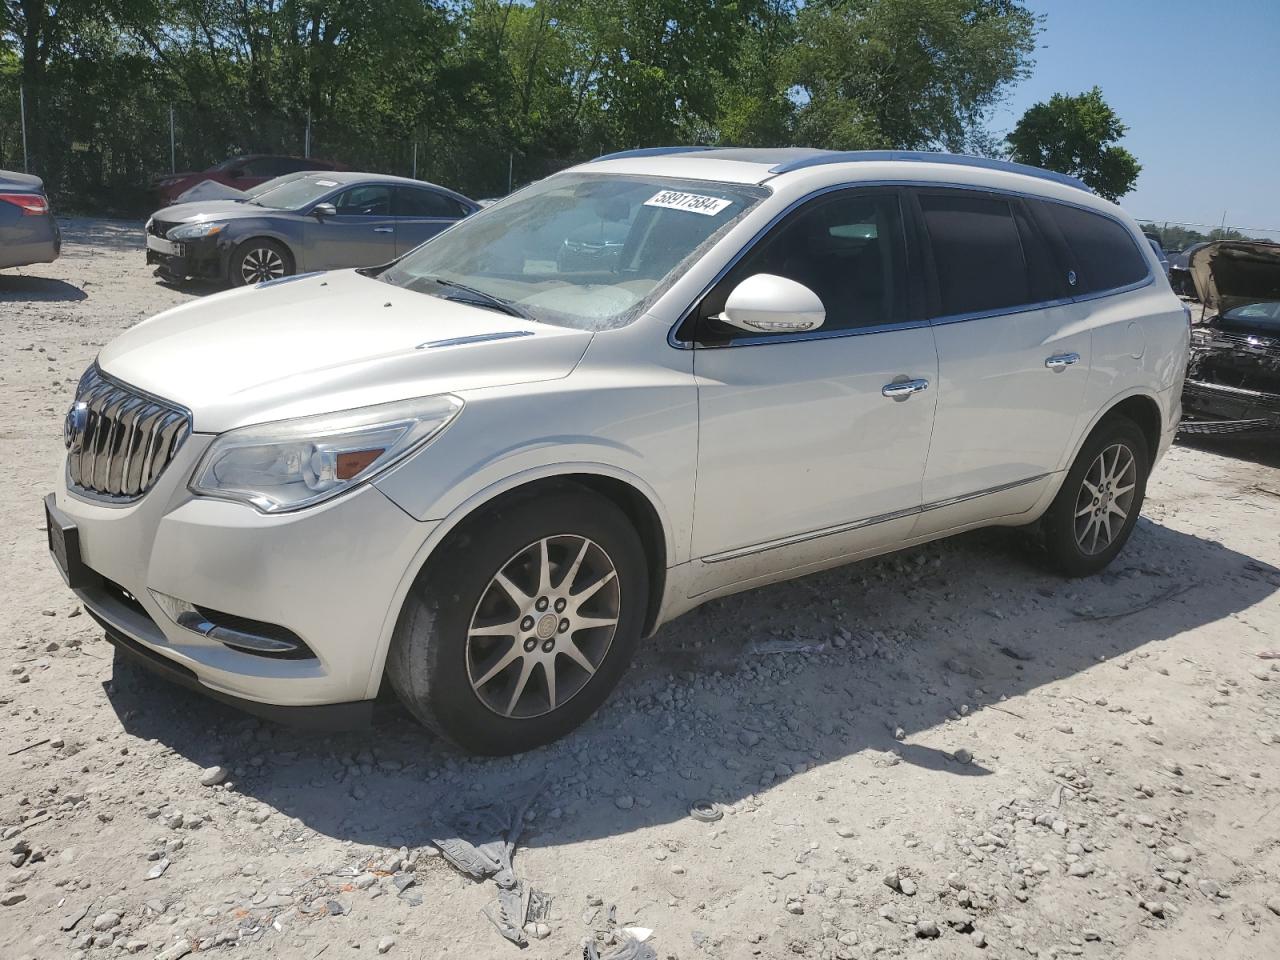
[[543, 626], [1105, 498], [261, 263]]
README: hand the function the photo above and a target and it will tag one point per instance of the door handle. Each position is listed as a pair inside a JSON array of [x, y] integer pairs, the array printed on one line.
[[1060, 361], [903, 389], [384, 229]]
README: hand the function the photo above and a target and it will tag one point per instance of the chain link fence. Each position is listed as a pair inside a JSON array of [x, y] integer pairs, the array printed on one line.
[[103, 158]]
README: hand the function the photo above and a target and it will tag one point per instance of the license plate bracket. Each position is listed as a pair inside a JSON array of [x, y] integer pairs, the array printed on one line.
[[64, 545], [167, 247]]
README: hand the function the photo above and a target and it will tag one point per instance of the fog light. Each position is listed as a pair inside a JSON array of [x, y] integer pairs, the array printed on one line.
[[238, 633]]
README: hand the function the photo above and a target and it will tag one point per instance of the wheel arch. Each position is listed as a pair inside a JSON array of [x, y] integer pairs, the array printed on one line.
[[1143, 410], [628, 493], [235, 243]]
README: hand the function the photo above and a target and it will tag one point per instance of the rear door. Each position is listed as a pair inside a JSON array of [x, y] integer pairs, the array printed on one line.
[[362, 234], [1013, 358], [420, 214]]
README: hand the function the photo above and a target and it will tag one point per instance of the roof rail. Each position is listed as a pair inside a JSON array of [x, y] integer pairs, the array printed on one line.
[[650, 152], [925, 156]]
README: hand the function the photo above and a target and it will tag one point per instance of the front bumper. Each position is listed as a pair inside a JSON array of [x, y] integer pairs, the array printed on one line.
[[1212, 408], [201, 259], [329, 574]]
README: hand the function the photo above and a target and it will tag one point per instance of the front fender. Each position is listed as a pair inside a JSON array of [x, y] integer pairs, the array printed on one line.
[[467, 505]]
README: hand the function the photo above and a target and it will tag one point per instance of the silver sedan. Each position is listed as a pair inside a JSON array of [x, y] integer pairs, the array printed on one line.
[[320, 221], [28, 232]]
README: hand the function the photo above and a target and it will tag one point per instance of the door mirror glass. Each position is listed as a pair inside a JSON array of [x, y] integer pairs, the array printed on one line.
[[322, 210], [765, 303]]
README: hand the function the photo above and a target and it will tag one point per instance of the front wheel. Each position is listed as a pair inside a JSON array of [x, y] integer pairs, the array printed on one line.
[[522, 623], [1094, 513], [258, 260]]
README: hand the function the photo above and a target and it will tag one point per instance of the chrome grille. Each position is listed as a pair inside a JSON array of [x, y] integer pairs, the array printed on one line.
[[119, 440]]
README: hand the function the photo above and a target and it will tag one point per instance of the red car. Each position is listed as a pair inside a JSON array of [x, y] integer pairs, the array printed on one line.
[[240, 173]]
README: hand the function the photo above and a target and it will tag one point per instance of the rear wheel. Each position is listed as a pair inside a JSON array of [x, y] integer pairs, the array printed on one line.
[[259, 259], [1094, 513], [523, 623]]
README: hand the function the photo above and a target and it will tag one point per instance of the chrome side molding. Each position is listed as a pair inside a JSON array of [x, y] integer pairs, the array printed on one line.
[[740, 552]]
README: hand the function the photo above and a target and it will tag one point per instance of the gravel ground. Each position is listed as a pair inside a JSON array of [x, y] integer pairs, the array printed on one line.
[[949, 752]]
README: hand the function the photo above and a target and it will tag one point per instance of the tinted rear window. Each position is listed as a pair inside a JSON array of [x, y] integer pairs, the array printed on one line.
[[977, 253], [1103, 253]]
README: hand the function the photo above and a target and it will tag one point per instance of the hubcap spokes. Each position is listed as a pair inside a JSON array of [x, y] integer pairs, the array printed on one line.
[[1105, 498], [543, 626], [261, 264]]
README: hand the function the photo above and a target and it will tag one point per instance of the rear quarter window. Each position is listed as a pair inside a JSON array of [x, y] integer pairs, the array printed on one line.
[[1103, 253]]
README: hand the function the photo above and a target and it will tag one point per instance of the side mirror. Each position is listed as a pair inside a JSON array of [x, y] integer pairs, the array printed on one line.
[[765, 303], [235, 173], [322, 210]]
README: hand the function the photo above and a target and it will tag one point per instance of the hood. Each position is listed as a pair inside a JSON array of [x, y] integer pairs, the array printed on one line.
[[323, 342], [1232, 273], [198, 211], [209, 190], [23, 181]]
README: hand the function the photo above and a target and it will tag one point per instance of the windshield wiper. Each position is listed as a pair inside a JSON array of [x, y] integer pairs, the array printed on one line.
[[480, 298]]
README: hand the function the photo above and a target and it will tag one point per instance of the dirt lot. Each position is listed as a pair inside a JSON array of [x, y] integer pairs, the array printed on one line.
[[964, 756]]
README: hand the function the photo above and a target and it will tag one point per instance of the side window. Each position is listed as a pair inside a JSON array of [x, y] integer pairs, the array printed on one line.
[[1103, 253], [369, 201], [977, 253], [415, 202], [847, 248]]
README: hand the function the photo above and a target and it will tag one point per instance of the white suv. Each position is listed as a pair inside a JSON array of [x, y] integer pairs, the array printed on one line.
[[485, 472]]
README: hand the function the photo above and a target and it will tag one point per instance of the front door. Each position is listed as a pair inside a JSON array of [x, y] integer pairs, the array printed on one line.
[[421, 214], [363, 234], [811, 449], [1013, 358]]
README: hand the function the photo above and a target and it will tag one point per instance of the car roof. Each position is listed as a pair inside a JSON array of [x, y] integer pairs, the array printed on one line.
[[346, 177], [758, 165]]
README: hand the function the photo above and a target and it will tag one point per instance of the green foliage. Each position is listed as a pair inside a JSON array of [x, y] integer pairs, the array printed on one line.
[[486, 89], [1175, 237], [1077, 135]]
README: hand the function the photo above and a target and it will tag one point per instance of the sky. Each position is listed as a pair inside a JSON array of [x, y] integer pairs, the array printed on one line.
[[1196, 83]]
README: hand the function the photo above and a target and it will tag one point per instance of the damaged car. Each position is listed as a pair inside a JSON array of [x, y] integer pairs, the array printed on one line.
[[1233, 376]]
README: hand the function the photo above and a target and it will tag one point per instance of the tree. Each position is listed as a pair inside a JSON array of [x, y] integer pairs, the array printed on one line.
[[1077, 135], [905, 74]]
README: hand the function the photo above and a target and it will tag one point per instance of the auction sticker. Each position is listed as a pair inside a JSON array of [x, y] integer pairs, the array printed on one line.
[[692, 202]]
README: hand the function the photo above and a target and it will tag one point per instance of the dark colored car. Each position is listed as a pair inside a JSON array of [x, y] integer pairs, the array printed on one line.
[[321, 221], [1180, 272], [239, 172], [28, 232], [1233, 377]]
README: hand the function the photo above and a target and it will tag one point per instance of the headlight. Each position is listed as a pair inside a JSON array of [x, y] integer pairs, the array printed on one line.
[[194, 231], [291, 464]]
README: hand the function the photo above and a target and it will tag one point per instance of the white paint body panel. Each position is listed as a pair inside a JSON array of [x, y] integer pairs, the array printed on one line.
[[761, 463]]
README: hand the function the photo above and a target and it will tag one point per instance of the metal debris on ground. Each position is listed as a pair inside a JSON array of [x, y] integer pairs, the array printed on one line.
[[493, 831], [538, 909], [482, 845], [705, 811], [504, 913], [769, 647]]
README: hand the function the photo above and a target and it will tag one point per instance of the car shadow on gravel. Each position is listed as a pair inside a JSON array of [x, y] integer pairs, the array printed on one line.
[[734, 698], [18, 288]]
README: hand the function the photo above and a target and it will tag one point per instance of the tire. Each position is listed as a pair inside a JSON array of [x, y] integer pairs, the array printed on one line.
[[1083, 528], [259, 259], [440, 645]]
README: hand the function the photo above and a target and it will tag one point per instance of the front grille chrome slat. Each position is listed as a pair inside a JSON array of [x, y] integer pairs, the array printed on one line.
[[120, 439]]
